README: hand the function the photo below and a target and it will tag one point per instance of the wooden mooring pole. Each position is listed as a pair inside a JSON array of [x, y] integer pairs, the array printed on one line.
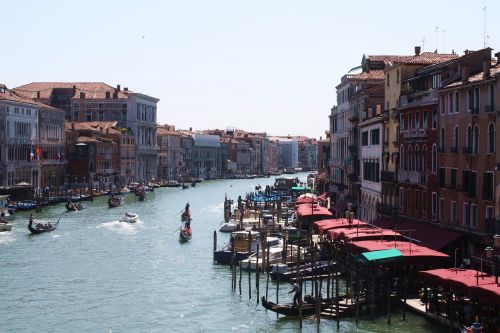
[[257, 274]]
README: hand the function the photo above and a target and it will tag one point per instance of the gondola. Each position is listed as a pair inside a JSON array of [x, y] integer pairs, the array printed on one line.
[[115, 201], [41, 227], [73, 207], [142, 195], [185, 234], [292, 310]]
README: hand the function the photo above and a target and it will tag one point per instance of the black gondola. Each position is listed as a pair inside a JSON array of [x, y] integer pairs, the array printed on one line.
[[73, 207], [115, 201], [291, 309], [142, 195], [186, 234], [41, 227]]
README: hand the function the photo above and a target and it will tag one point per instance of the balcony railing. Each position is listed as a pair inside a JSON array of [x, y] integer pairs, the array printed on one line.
[[412, 177], [489, 108], [428, 96]]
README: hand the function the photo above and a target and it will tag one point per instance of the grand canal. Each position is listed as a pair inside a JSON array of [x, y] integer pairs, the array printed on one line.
[[95, 274]]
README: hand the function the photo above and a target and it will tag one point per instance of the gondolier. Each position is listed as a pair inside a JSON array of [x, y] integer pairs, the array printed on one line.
[[297, 297]]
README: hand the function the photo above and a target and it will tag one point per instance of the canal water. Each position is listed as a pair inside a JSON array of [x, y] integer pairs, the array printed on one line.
[[95, 274]]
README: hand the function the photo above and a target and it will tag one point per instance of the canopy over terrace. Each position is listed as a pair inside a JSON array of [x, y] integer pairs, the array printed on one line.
[[324, 225], [465, 281], [307, 214], [363, 233], [432, 237], [306, 198], [413, 253]]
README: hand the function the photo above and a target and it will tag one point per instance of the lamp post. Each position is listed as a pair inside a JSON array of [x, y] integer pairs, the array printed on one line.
[[349, 214]]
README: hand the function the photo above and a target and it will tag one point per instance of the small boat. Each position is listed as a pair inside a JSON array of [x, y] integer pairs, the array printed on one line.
[[6, 213], [5, 226], [41, 227], [185, 234], [186, 215], [228, 226], [277, 254], [291, 309], [73, 207], [129, 217], [185, 186], [24, 205], [173, 183], [141, 194], [115, 201]]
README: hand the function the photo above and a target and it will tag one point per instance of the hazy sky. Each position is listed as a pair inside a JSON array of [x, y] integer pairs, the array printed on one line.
[[260, 65]]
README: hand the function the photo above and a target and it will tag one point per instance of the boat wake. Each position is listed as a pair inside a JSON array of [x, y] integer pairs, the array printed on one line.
[[6, 238], [123, 228]]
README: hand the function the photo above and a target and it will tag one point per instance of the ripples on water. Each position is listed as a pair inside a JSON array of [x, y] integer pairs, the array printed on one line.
[[96, 274]]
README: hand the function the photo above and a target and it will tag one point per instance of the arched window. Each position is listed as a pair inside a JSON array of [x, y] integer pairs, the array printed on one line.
[[491, 138], [441, 139], [410, 157], [469, 137], [434, 158], [417, 159], [476, 139], [402, 159], [455, 137]]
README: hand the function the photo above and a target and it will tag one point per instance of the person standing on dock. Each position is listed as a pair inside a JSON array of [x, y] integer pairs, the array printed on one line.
[[297, 297]]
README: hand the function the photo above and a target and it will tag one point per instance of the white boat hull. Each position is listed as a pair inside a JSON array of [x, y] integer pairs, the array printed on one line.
[[129, 218], [5, 227], [228, 227]]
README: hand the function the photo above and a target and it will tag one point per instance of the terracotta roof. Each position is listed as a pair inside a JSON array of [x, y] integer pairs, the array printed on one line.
[[86, 139], [162, 131], [429, 58], [97, 126], [92, 90], [388, 58], [474, 78], [13, 96], [374, 74]]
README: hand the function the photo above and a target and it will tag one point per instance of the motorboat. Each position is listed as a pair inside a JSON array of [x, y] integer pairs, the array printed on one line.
[[115, 201], [6, 213], [5, 226], [173, 183], [277, 254], [73, 207], [129, 217], [24, 205], [228, 226]]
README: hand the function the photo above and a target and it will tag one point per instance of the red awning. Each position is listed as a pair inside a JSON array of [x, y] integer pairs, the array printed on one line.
[[430, 236], [413, 253], [324, 225], [363, 233], [466, 281], [307, 210], [305, 200]]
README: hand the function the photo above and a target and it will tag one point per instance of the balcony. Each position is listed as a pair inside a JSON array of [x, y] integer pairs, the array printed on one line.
[[412, 177], [489, 109], [388, 176], [474, 110], [421, 97], [454, 150]]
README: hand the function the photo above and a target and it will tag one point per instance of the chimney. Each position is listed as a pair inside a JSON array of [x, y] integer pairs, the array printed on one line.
[[498, 58], [74, 90], [118, 87], [190, 129], [82, 95], [465, 73], [486, 68], [108, 94], [417, 50], [38, 94], [125, 89]]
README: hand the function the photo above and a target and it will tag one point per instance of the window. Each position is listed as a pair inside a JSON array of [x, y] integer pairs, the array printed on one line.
[[453, 212], [492, 97], [417, 163], [402, 155], [473, 98], [434, 205], [455, 137], [453, 178], [469, 138], [402, 121], [441, 210], [434, 119], [489, 219], [397, 76], [375, 137], [441, 140], [488, 186], [436, 81], [417, 119], [410, 121], [476, 140], [409, 159], [491, 139], [88, 116], [364, 138], [457, 102], [434, 158], [424, 121], [401, 200], [473, 216], [388, 79], [424, 204], [424, 159], [442, 177], [466, 214]]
